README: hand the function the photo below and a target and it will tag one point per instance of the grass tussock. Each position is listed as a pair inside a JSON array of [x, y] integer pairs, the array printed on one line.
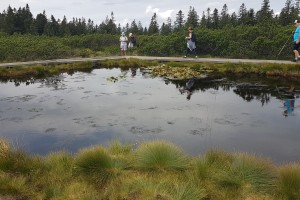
[[160, 155], [96, 163], [289, 181], [155, 170]]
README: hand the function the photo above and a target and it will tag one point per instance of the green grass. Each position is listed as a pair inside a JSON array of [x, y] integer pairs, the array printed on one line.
[[160, 155], [289, 181], [267, 70], [154, 170]]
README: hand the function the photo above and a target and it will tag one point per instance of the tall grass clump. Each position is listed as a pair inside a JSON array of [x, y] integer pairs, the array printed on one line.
[[96, 164], [186, 191], [289, 181], [116, 148], [15, 160], [160, 155], [247, 175], [15, 186]]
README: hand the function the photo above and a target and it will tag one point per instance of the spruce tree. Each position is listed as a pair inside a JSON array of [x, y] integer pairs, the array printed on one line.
[[179, 22], [193, 18], [40, 23], [265, 14], [215, 19], [224, 19], [153, 27]]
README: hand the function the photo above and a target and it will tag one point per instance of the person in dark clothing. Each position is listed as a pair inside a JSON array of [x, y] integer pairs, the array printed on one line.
[[132, 40], [191, 43]]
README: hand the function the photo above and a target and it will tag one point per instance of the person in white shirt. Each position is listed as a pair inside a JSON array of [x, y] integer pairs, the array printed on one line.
[[123, 44]]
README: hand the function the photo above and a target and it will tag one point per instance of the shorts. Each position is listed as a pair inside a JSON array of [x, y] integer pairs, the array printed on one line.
[[296, 46], [123, 46]]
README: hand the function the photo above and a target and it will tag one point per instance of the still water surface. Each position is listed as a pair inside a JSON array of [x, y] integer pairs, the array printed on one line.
[[83, 109]]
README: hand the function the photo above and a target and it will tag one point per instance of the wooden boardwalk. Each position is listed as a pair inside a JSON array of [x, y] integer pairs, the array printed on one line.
[[148, 58]]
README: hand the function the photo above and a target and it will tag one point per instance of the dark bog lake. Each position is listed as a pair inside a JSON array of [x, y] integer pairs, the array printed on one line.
[[70, 112]]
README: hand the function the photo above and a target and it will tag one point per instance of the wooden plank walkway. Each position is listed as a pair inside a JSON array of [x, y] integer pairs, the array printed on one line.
[[148, 58]]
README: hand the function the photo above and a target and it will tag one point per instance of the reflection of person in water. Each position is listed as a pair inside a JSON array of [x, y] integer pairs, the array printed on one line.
[[289, 103], [133, 72], [189, 86]]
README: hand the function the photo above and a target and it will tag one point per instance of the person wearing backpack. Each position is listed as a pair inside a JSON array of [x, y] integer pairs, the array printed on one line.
[[191, 43], [132, 40]]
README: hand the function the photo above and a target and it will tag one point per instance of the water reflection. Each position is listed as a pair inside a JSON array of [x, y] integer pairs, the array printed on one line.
[[71, 111]]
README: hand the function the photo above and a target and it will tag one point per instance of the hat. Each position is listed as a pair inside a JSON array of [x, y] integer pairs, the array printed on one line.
[[130, 34], [296, 21]]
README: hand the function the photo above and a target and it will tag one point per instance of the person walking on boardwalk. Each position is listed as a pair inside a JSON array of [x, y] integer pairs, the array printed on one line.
[[123, 44], [191, 43], [296, 41], [132, 40]]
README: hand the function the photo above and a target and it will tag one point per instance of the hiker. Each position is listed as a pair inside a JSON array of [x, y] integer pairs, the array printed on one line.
[[191, 42], [123, 44], [132, 40], [296, 41]]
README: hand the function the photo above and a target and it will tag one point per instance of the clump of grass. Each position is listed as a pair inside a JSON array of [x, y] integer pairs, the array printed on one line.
[[248, 174], [96, 164], [218, 158], [10, 185], [289, 181], [186, 191], [160, 155], [4, 148], [79, 190], [202, 169], [116, 148], [15, 160], [142, 187]]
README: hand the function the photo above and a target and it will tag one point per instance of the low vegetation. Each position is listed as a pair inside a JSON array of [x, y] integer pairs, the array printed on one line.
[[170, 70], [153, 170]]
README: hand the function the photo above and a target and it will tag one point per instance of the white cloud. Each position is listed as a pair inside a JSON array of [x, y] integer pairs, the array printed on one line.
[[164, 15], [123, 22]]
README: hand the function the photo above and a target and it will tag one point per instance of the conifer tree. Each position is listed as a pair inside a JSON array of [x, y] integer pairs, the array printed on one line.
[[153, 27], [224, 19], [9, 23], [193, 18], [166, 28], [215, 19], [179, 22], [133, 27], [203, 22], [40, 23], [265, 14], [140, 28], [242, 15]]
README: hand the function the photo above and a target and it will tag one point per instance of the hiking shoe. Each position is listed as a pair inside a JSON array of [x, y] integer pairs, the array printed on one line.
[[184, 56], [294, 60]]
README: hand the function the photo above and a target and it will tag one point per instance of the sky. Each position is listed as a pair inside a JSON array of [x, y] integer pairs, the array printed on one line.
[[127, 11]]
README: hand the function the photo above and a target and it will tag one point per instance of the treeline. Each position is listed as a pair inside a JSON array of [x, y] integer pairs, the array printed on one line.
[[247, 34], [22, 21]]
